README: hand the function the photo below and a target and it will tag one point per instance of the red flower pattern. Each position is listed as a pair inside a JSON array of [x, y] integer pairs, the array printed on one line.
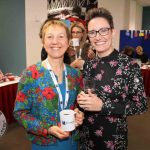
[[52, 118], [48, 93], [20, 97], [35, 74]]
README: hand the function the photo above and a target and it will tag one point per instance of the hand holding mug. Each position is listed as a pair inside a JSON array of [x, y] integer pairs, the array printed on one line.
[[58, 132]]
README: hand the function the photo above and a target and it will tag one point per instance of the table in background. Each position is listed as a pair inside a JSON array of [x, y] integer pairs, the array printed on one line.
[[146, 79], [8, 92]]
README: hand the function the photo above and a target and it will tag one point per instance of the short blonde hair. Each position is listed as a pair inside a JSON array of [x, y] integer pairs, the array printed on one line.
[[50, 22]]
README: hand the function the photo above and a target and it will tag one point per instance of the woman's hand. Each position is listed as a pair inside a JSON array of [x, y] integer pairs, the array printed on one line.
[[89, 102], [77, 63], [58, 132], [79, 116], [91, 54]]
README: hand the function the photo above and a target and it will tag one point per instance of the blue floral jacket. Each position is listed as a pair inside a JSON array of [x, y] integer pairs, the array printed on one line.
[[36, 105]]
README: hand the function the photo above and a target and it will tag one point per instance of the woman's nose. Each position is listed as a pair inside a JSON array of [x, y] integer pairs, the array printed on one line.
[[55, 40], [98, 36]]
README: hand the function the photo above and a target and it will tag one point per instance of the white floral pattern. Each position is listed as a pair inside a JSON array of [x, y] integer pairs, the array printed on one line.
[[120, 85]]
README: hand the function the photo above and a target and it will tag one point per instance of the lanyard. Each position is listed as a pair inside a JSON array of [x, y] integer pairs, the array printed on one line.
[[57, 86]]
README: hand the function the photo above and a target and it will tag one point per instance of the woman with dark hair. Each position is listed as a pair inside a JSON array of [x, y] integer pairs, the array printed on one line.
[[129, 51], [119, 90]]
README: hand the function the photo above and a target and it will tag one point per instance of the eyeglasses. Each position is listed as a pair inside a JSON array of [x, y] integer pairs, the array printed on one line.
[[78, 32], [101, 31]]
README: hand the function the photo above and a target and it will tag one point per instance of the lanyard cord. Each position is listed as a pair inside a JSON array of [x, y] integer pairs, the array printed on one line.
[[57, 86]]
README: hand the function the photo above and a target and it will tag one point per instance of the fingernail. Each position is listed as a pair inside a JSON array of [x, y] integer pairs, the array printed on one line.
[[59, 125]]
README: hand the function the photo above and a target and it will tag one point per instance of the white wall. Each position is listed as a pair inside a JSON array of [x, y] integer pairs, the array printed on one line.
[[139, 12], [127, 15], [35, 14], [116, 7]]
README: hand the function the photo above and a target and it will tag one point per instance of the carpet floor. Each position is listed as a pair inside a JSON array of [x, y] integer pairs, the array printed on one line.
[[138, 126]]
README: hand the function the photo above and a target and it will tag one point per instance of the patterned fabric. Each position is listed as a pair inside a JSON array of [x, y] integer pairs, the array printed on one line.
[[36, 105], [120, 85], [73, 19]]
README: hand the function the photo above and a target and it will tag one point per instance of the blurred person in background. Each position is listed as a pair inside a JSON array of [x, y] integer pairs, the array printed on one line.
[[76, 15], [141, 55], [78, 54], [129, 51]]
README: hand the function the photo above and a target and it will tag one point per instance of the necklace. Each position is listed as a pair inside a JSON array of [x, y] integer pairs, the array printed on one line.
[[57, 85]]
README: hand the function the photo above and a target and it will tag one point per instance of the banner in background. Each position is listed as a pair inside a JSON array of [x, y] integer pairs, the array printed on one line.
[[135, 38]]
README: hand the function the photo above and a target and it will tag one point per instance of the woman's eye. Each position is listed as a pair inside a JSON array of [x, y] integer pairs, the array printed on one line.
[[61, 37], [92, 32], [49, 37]]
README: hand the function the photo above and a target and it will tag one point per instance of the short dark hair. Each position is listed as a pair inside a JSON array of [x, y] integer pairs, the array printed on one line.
[[99, 12], [128, 49], [76, 11], [65, 12]]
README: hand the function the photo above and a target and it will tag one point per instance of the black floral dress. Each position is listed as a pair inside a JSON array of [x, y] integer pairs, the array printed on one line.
[[120, 85]]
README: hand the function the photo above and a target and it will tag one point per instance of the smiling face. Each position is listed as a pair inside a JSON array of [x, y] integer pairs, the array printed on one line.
[[102, 44], [55, 41]]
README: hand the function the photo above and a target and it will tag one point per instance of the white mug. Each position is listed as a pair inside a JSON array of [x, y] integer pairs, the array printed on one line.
[[67, 119], [75, 42]]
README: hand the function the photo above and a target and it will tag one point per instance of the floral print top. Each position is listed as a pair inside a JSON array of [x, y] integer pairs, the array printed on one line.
[[120, 86], [37, 102]]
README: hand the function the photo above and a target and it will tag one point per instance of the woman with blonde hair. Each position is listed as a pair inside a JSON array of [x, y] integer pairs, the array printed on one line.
[[141, 55], [79, 49], [45, 89]]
